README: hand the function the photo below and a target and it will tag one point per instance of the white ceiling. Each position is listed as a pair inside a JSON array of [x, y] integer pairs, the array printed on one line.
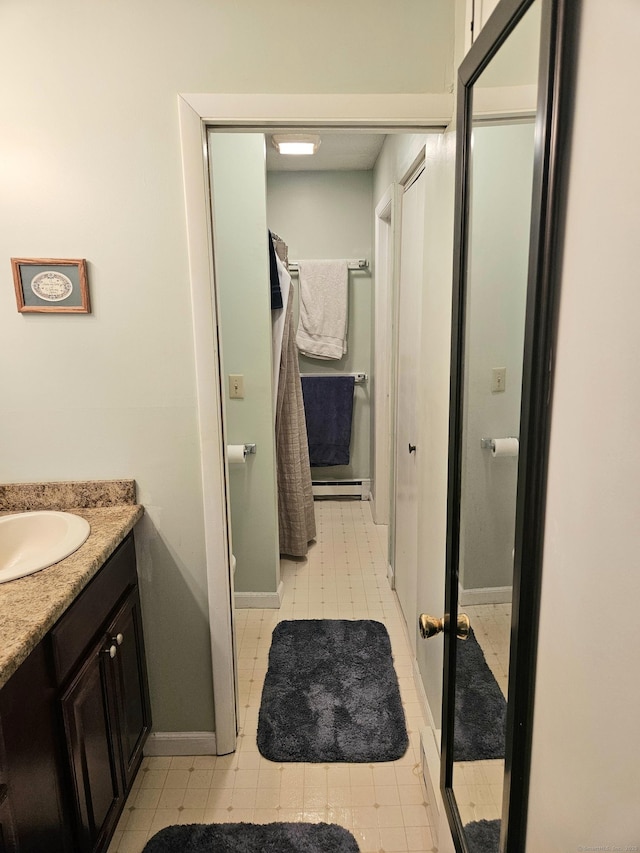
[[337, 152]]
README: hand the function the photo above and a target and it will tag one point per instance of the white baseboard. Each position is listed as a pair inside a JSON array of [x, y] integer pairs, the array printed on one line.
[[181, 743], [391, 576], [430, 759], [429, 754], [422, 696], [259, 600], [485, 595]]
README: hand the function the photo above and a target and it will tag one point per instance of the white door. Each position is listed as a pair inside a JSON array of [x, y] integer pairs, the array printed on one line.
[[407, 389]]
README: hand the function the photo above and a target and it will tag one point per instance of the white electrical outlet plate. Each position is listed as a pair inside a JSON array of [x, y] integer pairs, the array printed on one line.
[[498, 379], [236, 386]]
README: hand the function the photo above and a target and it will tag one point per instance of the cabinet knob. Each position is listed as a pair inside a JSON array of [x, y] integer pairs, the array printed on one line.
[[112, 651], [119, 639]]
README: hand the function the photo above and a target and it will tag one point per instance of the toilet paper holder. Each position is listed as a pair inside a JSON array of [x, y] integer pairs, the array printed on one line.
[[490, 443], [249, 448]]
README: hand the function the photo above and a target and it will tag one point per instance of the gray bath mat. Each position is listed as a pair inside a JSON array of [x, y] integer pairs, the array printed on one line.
[[483, 836], [331, 694], [253, 838], [480, 707]]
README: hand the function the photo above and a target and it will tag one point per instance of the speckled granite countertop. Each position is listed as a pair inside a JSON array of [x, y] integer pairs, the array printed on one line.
[[30, 606]]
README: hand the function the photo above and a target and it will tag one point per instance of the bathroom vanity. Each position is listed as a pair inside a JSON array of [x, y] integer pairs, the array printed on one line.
[[74, 701]]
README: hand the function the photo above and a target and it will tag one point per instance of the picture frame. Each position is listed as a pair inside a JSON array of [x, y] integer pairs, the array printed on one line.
[[50, 285]]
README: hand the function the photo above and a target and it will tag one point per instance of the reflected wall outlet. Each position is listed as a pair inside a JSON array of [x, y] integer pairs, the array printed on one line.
[[498, 378], [236, 386]]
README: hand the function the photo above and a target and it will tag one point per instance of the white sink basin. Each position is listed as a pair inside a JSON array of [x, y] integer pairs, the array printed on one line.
[[30, 541]]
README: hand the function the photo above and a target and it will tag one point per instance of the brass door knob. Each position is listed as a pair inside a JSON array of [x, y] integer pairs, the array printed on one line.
[[430, 626]]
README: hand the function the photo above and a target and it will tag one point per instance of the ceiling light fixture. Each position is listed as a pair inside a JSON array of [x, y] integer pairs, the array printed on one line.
[[296, 143]]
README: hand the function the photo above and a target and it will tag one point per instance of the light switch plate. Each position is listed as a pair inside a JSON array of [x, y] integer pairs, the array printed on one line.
[[236, 386], [498, 379]]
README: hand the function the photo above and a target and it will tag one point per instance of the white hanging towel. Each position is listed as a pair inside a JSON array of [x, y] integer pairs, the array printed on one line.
[[322, 325]]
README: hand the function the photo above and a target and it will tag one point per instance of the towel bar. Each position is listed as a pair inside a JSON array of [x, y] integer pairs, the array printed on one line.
[[359, 378], [361, 264]]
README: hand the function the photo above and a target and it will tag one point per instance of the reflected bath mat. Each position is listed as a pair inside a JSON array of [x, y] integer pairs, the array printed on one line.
[[253, 838], [483, 836], [331, 694], [480, 707]]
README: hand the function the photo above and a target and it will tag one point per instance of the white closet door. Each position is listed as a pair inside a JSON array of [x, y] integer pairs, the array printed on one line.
[[408, 379]]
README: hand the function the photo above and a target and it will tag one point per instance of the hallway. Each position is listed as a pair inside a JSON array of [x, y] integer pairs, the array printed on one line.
[[383, 805]]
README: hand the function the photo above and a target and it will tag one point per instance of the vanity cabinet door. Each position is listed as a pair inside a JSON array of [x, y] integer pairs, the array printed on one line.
[[132, 696], [89, 712], [7, 845], [32, 767]]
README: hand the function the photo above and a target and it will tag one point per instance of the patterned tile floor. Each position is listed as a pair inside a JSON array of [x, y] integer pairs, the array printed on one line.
[[384, 805]]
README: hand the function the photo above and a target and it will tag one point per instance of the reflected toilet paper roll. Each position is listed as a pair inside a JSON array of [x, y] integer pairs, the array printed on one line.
[[505, 447], [236, 454]]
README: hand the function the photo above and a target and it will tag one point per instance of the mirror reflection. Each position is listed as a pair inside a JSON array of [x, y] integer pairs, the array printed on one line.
[[500, 180]]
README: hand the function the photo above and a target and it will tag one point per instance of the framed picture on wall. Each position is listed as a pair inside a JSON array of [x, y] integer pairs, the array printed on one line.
[[46, 285]]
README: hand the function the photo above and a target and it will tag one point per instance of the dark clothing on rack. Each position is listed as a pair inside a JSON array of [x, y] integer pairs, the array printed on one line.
[[276, 292]]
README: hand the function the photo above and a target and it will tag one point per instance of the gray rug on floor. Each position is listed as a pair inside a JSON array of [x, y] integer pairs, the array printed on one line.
[[253, 838], [331, 694], [483, 836], [480, 707]]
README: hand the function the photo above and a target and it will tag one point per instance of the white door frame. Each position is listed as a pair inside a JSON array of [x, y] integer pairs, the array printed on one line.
[[387, 265], [196, 113]]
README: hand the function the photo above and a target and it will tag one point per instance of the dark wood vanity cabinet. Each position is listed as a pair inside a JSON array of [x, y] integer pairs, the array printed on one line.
[[105, 711], [7, 837], [130, 686], [90, 720], [96, 714]]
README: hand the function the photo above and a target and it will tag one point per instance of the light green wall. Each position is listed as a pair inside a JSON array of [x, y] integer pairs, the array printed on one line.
[[330, 215], [502, 176], [237, 167]]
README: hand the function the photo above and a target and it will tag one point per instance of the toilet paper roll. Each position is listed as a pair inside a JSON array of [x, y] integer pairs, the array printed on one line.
[[505, 447], [235, 454]]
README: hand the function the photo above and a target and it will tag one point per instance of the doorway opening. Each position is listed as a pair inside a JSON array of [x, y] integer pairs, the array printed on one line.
[[319, 208], [417, 117]]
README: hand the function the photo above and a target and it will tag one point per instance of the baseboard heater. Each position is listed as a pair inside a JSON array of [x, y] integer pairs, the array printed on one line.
[[360, 489]]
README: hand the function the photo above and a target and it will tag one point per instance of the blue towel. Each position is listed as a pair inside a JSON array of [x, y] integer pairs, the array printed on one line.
[[328, 407]]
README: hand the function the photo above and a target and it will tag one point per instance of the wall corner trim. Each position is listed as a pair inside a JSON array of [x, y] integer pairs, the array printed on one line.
[[426, 110]]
